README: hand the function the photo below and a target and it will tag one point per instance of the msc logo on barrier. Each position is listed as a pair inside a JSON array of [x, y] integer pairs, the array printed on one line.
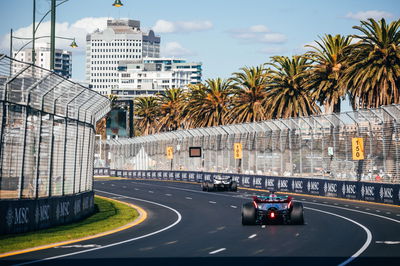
[[349, 190], [42, 213], [246, 181], [313, 186], [62, 209], [283, 184], [270, 183], [257, 182], [386, 192], [297, 185], [368, 191], [330, 187], [207, 177], [18, 216], [236, 178]]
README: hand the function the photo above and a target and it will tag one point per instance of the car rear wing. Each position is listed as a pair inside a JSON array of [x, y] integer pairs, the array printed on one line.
[[285, 199]]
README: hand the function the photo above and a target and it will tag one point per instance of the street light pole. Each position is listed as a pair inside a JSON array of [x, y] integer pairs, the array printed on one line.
[[11, 43], [52, 33], [11, 52], [33, 32]]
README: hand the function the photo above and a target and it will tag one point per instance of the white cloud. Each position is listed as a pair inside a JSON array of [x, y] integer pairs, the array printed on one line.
[[258, 28], [364, 15], [165, 26], [273, 38], [273, 50], [258, 33], [77, 30], [175, 49]]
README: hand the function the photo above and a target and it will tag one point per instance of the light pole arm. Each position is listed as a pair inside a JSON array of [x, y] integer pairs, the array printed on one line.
[[31, 41], [48, 12]]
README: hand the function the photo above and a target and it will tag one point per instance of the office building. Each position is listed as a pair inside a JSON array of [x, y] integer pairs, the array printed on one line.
[[62, 58], [121, 40]]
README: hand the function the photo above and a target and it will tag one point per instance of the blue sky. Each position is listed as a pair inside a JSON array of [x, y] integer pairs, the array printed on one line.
[[224, 35]]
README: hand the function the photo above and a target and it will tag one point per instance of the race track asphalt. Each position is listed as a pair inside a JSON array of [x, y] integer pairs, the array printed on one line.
[[186, 226]]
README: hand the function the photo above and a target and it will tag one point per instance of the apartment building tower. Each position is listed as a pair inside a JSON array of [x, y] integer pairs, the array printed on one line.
[[122, 40], [62, 59]]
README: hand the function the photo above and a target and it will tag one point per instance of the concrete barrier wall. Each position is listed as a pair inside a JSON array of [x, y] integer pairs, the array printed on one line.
[[24, 215], [365, 191]]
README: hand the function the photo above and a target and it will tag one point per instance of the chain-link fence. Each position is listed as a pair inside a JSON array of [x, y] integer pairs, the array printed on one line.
[[318, 146], [46, 132]]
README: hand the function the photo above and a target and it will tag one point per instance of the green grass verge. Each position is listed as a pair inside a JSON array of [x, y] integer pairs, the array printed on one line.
[[110, 215]]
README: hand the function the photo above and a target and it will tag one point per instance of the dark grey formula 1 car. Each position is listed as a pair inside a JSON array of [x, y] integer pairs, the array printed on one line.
[[272, 209], [220, 183]]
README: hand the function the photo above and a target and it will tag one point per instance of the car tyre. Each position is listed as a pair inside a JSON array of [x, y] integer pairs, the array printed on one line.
[[234, 186], [210, 187], [296, 215], [248, 214]]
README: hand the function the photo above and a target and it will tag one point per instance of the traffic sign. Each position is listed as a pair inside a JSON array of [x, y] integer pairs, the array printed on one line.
[[170, 152], [357, 145], [237, 150], [330, 151]]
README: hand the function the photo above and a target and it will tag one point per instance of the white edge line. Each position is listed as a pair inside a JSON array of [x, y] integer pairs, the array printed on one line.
[[306, 202], [216, 251], [117, 243], [366, 244], [347, 209]]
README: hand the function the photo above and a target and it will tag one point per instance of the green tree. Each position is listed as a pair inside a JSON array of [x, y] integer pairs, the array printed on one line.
[[208, 103], [286, 95], [373, 73], [249, 95], [324, 75], [172, 103], [147, 113]]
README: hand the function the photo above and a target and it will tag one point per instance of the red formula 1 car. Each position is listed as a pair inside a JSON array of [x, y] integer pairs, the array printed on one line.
[[272, 209]]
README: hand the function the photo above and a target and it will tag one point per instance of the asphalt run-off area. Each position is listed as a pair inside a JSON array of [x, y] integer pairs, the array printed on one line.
[[186, 226]]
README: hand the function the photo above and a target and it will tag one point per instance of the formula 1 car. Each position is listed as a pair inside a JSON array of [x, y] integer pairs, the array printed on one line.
[[272, 209], [220, 183]]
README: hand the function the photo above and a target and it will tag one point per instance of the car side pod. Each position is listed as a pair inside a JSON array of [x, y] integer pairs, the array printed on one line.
[[249, 214], [296, 215]]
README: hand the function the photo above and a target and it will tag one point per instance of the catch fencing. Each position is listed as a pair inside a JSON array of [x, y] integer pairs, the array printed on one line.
[[361, 145], [46, 145]]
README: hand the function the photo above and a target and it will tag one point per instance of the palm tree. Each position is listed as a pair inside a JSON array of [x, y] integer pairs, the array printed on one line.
[[324, 74], [249, 95], [172, 103], [373, 73], [208, 104], [286, 96], [147, 111]]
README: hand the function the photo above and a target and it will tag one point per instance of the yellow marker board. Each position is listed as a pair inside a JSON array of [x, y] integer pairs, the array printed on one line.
[[237, 150], [357, 145], [170, 152]]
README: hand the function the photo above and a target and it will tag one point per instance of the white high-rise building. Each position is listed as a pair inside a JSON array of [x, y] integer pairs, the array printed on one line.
[[155, 75], [122, 40], [62, 59]]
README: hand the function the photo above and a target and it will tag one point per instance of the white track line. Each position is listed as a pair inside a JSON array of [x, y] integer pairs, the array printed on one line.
[[212, 202], [367, 213], [233, 206], [306, 202], [121, 242], [217, 251], [366, 244], [253, 236]]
